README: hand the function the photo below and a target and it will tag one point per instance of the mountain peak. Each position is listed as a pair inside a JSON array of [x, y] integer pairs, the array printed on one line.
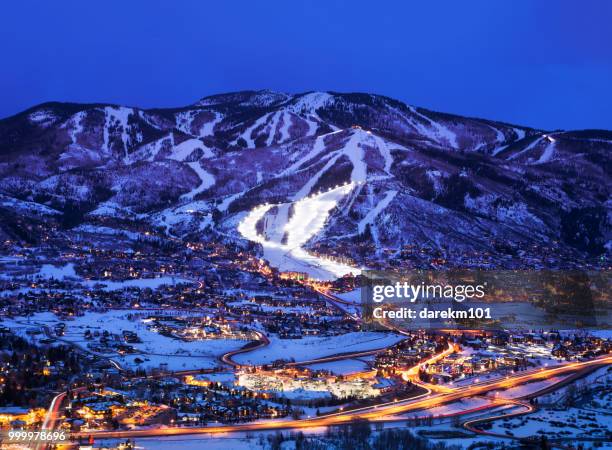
[[261, 98]]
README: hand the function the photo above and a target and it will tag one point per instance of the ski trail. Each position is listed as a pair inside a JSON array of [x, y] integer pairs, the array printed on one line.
[[207, 180]]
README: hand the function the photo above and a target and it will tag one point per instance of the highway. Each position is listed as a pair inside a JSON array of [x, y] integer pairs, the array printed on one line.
[[51, 418], [52, 413]]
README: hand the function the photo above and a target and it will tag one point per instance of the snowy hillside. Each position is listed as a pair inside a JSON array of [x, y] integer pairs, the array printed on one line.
[[328, 180]]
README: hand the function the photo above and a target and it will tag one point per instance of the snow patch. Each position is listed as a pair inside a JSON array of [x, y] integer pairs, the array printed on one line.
[[208, 129], [207, 180], [373, 213], [182, 151]]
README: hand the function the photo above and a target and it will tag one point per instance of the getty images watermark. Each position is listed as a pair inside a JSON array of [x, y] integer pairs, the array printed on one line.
[[478, 299], [425, 292]]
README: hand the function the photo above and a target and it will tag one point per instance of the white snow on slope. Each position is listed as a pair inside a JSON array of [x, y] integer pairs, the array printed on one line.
[[149, 151], [272, 128], [374, 212], [354, 151], [317, 148], [228, 201], [520, 134], [77, 154], [275, 225], [284, 131], [181, 151], [42, 118], [305, 190], [384, 151], [306, 107], [548, 153], [498, 150], [150, 120], [309, 103], [499, 136], [312, 126], [207, 180], [117, 117], [184, 119], [526, 149], [111, 209], [184, 122], [208, 129], [26, 206], [247, 134], [310, 215], [440, 133], [75, 126]]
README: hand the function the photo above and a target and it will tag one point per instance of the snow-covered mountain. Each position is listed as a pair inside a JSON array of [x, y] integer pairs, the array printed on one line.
[[394, 176]]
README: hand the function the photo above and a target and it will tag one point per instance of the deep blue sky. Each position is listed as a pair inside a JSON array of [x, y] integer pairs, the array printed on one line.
[[541, 63]]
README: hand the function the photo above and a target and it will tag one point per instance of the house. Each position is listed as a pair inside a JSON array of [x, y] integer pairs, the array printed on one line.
[[560, 351]]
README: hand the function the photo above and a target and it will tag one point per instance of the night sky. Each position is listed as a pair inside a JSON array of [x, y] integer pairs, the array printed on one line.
[[541, 63]]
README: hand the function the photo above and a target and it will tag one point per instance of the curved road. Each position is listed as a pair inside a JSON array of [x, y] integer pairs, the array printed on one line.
[[472, 425]]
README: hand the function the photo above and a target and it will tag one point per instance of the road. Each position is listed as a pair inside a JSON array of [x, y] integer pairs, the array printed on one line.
[[263, 340], [53, 412], [472, 425], [52, 418], [336, 302], [374, 413], [227, 357], [412, 374]]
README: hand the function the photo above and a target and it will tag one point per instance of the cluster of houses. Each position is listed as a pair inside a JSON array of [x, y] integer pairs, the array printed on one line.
[[304, 384], [20, 417], [111, 409], [487, 352], [292, 318], [203, 398], [417, 347], [197, 327]]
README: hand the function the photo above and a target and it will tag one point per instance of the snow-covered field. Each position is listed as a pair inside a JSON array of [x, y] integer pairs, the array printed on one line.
[[154, 349], [526, 389], [451, 408], [342, 367], [313, 347], [352, 296], [142, 283], [570, 422], [67, 271], [57, 272]]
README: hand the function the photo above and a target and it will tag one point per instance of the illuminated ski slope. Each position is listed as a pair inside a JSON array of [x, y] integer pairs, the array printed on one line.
[[309, 216]]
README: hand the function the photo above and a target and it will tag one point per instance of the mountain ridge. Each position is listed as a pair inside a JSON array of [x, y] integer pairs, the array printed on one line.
[[227, 153]]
